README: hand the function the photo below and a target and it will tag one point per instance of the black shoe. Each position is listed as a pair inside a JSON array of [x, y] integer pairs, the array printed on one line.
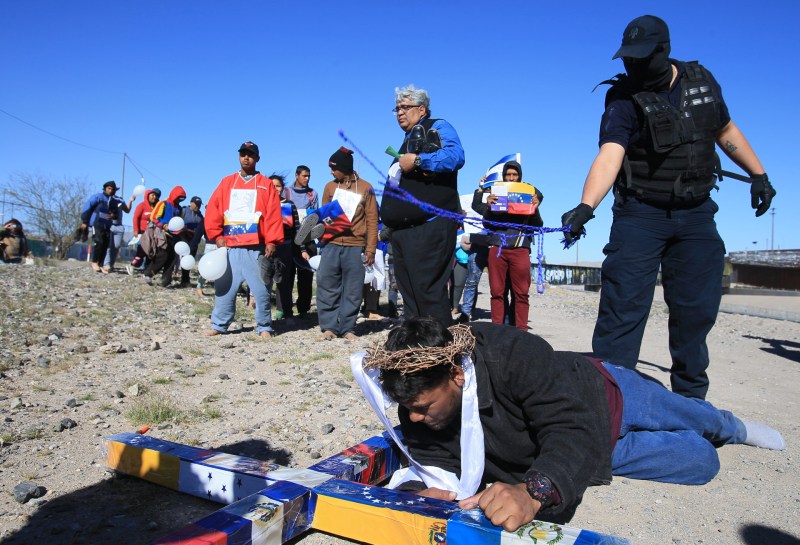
[[433, 141], [165, 281], [416, 139]]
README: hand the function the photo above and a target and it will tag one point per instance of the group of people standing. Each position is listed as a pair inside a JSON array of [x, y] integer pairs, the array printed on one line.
[[154, 237], [498, 419]]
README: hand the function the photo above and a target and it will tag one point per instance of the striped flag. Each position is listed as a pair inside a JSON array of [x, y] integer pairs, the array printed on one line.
[[495, 172]]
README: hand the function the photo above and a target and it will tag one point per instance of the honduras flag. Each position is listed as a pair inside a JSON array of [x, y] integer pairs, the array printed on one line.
[[495, 172]]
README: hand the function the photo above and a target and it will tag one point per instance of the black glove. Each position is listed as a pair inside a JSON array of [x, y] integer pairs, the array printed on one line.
[[576, 217], [761, 190]]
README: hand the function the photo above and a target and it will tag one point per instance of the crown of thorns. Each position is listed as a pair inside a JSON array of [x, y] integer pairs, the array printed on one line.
[[417, 358]]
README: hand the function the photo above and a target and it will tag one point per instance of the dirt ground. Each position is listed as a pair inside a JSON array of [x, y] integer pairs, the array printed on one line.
[[108, 352]]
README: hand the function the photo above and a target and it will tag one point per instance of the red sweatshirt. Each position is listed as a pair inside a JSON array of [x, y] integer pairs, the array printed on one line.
[[141, 216], [245, 212]]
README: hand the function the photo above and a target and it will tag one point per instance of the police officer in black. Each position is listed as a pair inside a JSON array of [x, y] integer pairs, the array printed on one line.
[[657, 150]]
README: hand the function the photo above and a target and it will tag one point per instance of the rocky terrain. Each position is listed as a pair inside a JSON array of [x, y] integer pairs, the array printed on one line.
[[85, 355]]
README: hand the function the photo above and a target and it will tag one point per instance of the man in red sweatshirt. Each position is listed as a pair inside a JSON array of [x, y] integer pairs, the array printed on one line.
[[244, 216]]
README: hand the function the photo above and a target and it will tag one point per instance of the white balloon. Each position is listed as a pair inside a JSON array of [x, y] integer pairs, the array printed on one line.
[[176, 224], [214, 264], [139, 190], [314, 262], [181, 248], [187, 262]]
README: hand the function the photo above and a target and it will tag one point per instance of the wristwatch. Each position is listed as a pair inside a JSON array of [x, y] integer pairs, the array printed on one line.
[[417, 161], [541, 489]]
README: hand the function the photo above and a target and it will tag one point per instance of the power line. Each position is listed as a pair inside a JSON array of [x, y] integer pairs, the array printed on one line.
[[128, 157], [57, 136]]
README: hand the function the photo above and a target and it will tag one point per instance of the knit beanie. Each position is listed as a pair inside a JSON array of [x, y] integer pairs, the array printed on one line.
[[342, 160]]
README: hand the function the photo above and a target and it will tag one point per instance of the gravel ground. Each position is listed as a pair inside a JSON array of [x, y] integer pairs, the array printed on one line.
[[84, 355]]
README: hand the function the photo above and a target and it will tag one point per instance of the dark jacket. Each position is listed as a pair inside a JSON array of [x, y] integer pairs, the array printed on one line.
[[494, 238], [542, 411]]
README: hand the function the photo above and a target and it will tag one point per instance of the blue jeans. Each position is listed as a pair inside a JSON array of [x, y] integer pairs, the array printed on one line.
[[685, 244], [114, 244], [242, 266], [475, 266], [340, 282], [667, 437]]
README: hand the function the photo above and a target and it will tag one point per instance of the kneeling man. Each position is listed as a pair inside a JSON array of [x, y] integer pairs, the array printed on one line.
[[485, 404]]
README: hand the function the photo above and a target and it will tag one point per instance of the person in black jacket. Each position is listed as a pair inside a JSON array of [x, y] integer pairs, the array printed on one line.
[[541, 425]]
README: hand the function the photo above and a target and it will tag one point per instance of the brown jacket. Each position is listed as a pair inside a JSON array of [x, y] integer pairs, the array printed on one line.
[[364, 231]]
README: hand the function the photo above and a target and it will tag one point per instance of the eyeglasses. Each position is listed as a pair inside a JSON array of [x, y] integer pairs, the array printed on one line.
[[404, 108]]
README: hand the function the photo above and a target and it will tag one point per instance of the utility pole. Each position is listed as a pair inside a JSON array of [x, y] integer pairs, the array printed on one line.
[[772, 235]]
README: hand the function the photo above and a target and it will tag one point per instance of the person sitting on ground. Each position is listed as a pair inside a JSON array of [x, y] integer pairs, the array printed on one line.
[[483, 403], [13, 242]]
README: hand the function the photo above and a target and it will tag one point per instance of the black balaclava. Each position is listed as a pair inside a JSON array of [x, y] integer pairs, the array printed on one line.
[[651, 73]]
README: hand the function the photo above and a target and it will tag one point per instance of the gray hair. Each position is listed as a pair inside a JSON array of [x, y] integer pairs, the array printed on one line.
[[417, 96]]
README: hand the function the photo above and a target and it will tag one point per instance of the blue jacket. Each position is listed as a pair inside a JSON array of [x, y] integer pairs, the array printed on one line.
[[103, 210]]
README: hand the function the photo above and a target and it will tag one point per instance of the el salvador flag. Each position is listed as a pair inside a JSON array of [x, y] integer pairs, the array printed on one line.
[[495, 172]]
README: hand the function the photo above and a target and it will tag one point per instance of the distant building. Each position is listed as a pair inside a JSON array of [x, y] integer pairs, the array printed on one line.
[[776, 269]]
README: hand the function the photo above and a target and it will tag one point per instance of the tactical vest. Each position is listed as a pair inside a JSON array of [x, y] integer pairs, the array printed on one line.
[[439, 189], [674, 159]]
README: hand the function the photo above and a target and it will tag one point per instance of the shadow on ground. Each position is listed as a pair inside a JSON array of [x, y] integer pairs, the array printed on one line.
[[125, 510], [756, 534], [779, 347]]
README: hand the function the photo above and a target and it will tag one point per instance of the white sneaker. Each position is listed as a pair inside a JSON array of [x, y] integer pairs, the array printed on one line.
[[129, 269]]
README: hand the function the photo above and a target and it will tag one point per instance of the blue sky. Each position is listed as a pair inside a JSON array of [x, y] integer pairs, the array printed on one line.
[[179, 85]]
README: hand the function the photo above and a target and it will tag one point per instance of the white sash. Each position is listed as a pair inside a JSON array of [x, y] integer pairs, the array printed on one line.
[[472, 449]]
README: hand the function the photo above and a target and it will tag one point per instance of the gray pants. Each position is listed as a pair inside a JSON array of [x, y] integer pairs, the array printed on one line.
[[340, 279]]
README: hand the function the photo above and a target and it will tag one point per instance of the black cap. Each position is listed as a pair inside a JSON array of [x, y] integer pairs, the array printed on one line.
[[249, 146], [342, 160], [642, 36], [157, 191], [111, 183], [197, 200]]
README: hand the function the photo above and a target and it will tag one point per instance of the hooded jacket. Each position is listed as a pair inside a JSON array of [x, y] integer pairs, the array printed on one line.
[[141, 215], [302, 197], [511, 241], [165, 210]]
